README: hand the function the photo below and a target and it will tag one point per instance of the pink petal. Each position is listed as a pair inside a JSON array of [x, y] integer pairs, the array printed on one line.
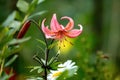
[[74, 33], [70, 25], [54, 24], [46, 30]]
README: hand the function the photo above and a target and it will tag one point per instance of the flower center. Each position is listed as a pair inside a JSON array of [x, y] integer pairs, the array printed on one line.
[[59, 35], [56, 74]]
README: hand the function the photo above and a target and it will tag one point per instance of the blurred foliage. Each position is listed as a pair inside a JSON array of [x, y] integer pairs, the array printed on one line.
[[8, 47], [100, 20], [9, 44]]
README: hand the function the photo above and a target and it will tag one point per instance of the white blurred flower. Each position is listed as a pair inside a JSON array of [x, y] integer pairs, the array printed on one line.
[[67, 66], [54, 74]]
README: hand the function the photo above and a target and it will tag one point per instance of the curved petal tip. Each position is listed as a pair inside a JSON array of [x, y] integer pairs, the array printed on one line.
[[70, 24], [81, 28]]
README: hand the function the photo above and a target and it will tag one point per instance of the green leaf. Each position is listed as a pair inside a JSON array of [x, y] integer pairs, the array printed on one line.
[[35, 68], [41, 49], [3, 51], [40, 1], [43, 61], [37, 14], [54, 65], [12, 50], [40, 70], [17, 41], [9, 19], [23, 5], [40, 41], [3, 33], [11, 60], [15, 24], [32, 6], [9, 50], [53, 59]]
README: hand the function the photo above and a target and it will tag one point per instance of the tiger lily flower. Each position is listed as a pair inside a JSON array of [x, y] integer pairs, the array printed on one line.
[[58, 31]]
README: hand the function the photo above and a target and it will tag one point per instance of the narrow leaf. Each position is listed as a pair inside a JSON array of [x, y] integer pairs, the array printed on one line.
[[41, 49], [11, 60], [35, 68], [15, 24], [32, 6], [17, 41], [9, 19], [40, 70], [37, 14], [40, 1], [40, 41]]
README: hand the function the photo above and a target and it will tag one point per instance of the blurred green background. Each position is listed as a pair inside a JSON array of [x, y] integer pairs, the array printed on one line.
[[101, 35]]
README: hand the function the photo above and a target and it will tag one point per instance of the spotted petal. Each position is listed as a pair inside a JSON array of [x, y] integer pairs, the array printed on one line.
[[55, 26], [70, 24]]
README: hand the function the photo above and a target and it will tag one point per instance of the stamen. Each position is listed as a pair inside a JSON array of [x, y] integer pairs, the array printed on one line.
[[63, 43], [59, 48], [59, 42], [68, 41]]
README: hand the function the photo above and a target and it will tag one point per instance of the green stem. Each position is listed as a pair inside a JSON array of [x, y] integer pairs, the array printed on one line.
[[1, 67], [46, 52], [46, 59]]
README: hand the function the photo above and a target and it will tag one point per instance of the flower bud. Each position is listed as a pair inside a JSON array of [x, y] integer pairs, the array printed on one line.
[[24, 29]]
